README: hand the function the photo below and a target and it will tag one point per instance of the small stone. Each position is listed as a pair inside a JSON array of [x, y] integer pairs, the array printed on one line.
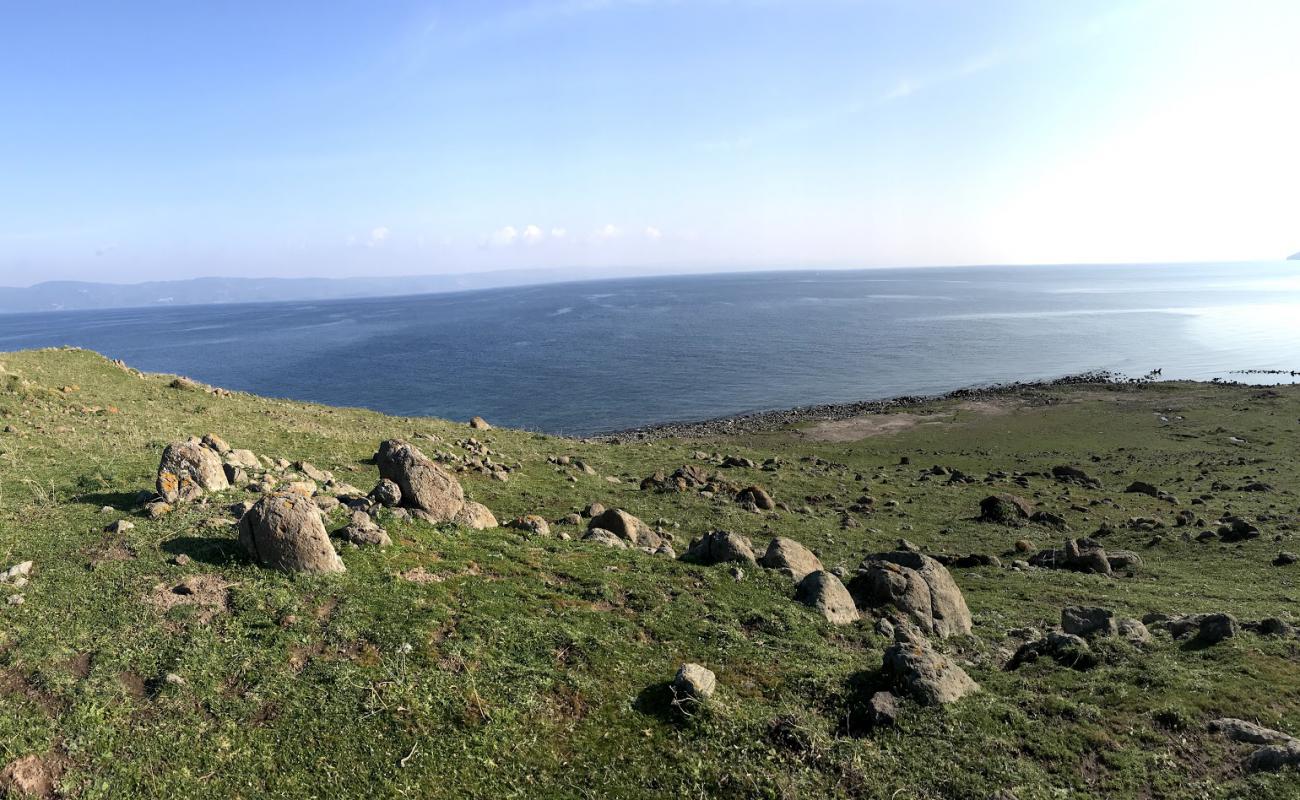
[[693, 684], [882, 710]]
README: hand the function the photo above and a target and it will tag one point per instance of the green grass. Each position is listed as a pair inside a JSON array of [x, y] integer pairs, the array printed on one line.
[[536, 667]]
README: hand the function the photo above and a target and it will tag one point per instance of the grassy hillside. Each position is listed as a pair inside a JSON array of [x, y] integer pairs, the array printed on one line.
[[461, 663]]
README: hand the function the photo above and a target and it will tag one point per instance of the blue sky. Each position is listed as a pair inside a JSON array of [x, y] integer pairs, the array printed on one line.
[[146, 140]]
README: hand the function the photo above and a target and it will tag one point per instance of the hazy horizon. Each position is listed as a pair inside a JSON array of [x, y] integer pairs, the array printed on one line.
[[584, 274], [159, 141]]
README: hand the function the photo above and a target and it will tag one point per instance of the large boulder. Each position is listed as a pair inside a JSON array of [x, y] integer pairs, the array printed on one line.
[[626, 527], [718, 547], [916, 585], [424, 485], [284, 530], [917, 669], [788, 556], [823, 592], [187, 470]]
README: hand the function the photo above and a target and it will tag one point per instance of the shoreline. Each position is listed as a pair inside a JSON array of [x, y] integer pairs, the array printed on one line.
[[780, 419]]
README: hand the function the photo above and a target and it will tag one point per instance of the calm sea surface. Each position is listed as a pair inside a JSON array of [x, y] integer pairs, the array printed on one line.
[[599, 356]]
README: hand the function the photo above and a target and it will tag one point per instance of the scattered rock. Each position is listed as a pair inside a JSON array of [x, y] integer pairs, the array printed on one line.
[[1239, 730], [1066, 649], [363, 532], [1273, 757], [285, 531], [1068, 474], [607, 538], [626, 527], [480, 424], [790, 557], [1214, 628], [825, 593], [1134, 631], [882, 710], [531, 523], [1089, 621], [475, 516], [757, 496], [386, 493], [717, 547], [245, 459], [119, 526], [1006, 509], [693, 684]]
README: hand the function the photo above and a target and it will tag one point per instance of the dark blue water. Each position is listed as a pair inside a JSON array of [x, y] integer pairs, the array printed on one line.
[[599, 356]]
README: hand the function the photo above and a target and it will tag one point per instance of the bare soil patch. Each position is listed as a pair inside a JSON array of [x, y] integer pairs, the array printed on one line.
[[209, 593]]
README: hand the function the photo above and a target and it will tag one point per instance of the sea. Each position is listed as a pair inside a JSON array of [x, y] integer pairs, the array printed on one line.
[[601, 356]]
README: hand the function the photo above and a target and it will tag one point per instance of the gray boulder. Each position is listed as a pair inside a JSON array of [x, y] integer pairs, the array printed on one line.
[[187, 470], [788, 556], [607, 538], [626, 527], [475, 516], [1006, 509], [823, 592], [1239, 730], [424, 485], [756, 495], [916, 585], [718, 547], [386, 493], [917, 669], [284, 530], [1089, 621], [1273, 757]]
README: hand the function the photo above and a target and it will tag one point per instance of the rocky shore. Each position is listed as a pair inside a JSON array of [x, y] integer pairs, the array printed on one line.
[[762, 421]]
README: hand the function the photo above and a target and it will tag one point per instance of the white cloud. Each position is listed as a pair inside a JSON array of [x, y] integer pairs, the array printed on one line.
[[652, 233], [504, 237], [610, 231], [558, 233], [378, 236], [533, 234]]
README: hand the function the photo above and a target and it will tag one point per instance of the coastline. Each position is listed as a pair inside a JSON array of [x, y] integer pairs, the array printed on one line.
[[779, 419]]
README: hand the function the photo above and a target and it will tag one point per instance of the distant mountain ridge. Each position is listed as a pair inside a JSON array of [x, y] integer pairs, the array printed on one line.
[[88, 295], [1293, 257]]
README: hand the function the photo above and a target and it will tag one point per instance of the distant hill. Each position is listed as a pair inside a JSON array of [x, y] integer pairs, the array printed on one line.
[[82, 295], [1294, 257]]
